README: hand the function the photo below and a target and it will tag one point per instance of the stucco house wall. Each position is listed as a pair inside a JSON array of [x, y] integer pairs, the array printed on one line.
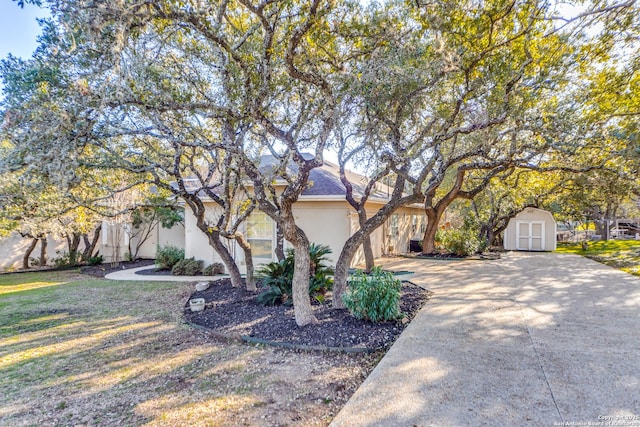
[[327, 222], [161, 236], [532, 229], [14, 246], [325, 216]]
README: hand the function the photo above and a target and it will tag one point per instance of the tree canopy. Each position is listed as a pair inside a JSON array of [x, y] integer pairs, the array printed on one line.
[[440, 99]]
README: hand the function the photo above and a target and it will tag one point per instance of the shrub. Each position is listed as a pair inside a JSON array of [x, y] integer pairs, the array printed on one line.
[[460, 242], [95, 260], [277, 277], [168, 256], [63, 261], [187, 267], [375, 296], [213, 269]]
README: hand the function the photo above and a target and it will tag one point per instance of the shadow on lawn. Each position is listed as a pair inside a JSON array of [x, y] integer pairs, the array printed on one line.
[[122, 356]]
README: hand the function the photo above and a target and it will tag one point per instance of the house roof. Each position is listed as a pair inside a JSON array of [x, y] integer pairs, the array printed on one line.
[[325, 180]]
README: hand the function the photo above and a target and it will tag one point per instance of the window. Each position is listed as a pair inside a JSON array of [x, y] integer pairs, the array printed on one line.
[[395, 225], [260, 235]]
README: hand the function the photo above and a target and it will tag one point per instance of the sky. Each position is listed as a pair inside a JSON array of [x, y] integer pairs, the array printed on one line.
[[18, 28]]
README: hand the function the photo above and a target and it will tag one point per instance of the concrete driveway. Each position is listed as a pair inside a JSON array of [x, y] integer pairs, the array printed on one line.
[[533, 339]]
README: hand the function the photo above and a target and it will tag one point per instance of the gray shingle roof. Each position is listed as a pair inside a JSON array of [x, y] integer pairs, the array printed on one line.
[[325, 180]]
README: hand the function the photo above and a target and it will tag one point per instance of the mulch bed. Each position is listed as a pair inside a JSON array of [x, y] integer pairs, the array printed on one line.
[[441, 255], [106, 268], [155, 272], [235, 312]]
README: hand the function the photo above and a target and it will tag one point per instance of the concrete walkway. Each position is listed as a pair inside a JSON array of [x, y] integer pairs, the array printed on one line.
[[529, 340], [130, 274]]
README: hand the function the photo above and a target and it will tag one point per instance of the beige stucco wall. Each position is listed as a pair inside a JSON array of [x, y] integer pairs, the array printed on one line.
[[531, 214], [325, 222], [161, 236], [196, 243], [13, 248]]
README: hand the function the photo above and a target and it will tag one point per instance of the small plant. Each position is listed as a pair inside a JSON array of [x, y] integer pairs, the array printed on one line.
[[375, 296], [187, 267], [63, 261], [274, 295], [168, 256], [35, 262], [213, 269], [277, 277], [95, 260]]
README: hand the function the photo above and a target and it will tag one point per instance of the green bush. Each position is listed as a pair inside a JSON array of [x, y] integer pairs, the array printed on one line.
[[168, 256], [213, 269], [463, 242], [375, 296], [63, 261], [277, 277], [95, 260], [187, 267]]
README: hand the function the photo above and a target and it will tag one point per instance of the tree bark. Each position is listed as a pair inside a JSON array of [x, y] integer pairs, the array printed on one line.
[[73, 243], [248, 261], [342, 271], [301, 301], [279, 250], [369, 260], [227, 259], [43, 251], [25, 258], [429, 239], [366, 242], [90, 246]]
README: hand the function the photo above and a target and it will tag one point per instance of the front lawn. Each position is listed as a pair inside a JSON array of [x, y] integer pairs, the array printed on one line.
[[622, 254], [76, 350]]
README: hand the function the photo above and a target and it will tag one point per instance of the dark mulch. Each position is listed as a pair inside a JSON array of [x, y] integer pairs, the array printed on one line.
[[103, 269], [441, 255], [234, 311], [155, 272]]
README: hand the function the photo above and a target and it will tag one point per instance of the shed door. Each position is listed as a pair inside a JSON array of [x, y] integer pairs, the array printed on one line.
[[530, 235]]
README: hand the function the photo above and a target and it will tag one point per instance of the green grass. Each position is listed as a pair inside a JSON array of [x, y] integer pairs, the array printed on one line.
[[622, 254], [77, 350]]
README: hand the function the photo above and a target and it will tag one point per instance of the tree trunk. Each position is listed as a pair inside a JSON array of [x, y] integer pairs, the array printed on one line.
[[342, 270], [279, 250], [43, 251], [25, 258], [248, 261], [301, 301], [429, 239], [90, 246], [74, 244], [369, 260], [601, 229], [227, 259]]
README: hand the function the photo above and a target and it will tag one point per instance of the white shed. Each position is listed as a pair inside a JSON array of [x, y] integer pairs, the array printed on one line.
[[532, 229]]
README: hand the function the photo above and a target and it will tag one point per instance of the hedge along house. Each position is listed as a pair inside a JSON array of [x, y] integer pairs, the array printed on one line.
[[532, 229], [325, 216]]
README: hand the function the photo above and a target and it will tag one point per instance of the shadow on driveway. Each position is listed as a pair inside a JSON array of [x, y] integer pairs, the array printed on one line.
[[531, 339]]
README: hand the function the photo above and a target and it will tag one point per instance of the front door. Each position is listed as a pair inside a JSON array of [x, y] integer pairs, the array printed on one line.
[[530, 235]]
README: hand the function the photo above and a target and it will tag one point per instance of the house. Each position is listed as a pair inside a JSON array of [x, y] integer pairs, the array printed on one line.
[[119, 238], [532, 229], [325, 216]]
